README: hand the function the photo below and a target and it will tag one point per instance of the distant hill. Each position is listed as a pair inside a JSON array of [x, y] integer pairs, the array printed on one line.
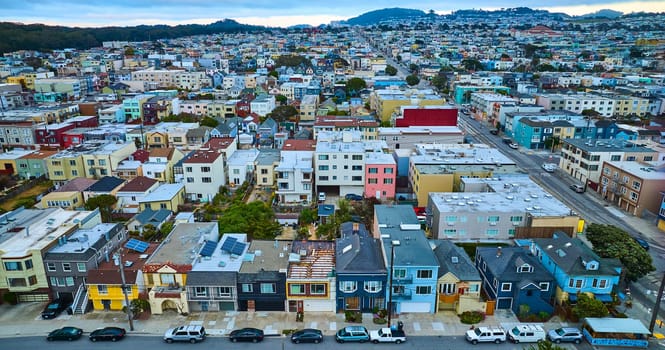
[[605, 13], [41, 37], [378, 16]]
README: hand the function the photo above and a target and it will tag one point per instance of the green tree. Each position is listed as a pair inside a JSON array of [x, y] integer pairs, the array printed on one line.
[[273, 73], [412, 80], [413, 68], [354, 85], [472, 64], [256, 219], [166, 228], [308, 216], [545, 345], [612, 242], [105, 203], [589, 307], [129, 51], [283, 113], [150, 233], [440, 82], [281, 99], [390, 70], [207, 121]]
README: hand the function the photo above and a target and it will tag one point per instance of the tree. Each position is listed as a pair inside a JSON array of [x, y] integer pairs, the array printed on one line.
[[612, 242], [308, 216], [129, 51], [412, 80], [390, 70], [256, 219], [281, 99], [283, 113], [472, 64], [589, 307], [105, 203], [413, 68], [207, 121], [354, 85], [273, 73], [545, 345], [440, 82]]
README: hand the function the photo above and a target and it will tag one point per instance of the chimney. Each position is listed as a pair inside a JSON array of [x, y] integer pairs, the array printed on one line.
[[498, 252]]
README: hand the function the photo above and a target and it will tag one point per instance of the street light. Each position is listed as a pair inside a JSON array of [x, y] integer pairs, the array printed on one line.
[[117, 258], [394, 243]]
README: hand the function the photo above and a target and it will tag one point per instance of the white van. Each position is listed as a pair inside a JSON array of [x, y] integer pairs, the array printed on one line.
[[527, 333]]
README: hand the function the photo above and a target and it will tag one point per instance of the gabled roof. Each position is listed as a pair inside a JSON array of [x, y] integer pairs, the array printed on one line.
[[357, 252], [138, 184], [454, 259], [162, 152], [106, 184], [504, 262], [77, 184], [150, 216], [570, 255]]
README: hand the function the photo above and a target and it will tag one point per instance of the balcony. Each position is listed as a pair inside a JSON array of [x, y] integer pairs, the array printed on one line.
[[402, 295], [448, 298], [403, 280]]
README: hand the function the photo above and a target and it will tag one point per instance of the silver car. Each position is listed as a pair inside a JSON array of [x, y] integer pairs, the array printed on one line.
[[190, 334]]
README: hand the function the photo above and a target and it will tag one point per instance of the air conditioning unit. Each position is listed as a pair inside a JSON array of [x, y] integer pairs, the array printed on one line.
[[493, 223]]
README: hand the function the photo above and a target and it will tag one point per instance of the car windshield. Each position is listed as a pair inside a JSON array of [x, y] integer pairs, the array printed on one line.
[[515, 331], [53, 306], [560, 331], [477, 331]]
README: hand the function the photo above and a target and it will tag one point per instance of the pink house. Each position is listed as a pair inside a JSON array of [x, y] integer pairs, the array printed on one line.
[[380, 175]]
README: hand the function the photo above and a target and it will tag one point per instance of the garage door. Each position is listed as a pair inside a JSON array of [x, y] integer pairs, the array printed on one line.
[[414, 307], [319, 305], [504, 303]]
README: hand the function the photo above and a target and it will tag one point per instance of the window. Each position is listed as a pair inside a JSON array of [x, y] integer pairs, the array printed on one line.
[[323, 178], [506, 287], [50, 266], [205, 169], [356, 167], [28, 264], [267, 288], [599, 283], [200, 291], [188, 169], [447, 288], [323, 157], [399, 273], [224, 291], [388, 170], [573, 283], [544, 286], [32, 280], [525, 268], [297, 289], [373, 286], [372, 181], [324, 167], [206, 180], [348, 286], [247, 288], [387, 181], [318, 289], [190, 180], [424, 273], [422, 290], [167, 278], [357, 157], [373, 170], [356, 178], [102, 289], [13, 266], [69, 281]]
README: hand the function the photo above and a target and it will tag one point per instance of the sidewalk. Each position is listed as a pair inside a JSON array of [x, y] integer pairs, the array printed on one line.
[[24, 320]]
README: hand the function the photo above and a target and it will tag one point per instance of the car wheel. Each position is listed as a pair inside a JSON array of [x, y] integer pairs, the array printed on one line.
[[398, 341], [114, 339], [577, 341], [193, 341], [340, 341], [255, 340], [474, 342], [70, 339], [93, 339], [375, 341], [234, 340], [49, 339], [169, 341], [558, 341], [297, 341], [517, 341], [316, 341]]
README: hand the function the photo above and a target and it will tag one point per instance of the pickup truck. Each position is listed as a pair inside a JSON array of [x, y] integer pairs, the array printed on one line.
[[387, 335]]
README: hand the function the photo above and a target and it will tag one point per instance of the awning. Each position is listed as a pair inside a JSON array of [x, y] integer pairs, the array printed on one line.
[[605, 298]]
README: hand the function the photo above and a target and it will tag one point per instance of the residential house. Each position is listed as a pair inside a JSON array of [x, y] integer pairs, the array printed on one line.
[[108, 185], [166, 196], [19, 132], [9, 160], [69, 262], [25, 237], [262, 276], [212, 283], [196, 137], [159, 165], [33, 165], [380, 175], [515, 279], [360, 269], [165, 271], [310, 279], [576, 267], [204, 172], [634, 187], [458, 285], [412, 281], [133, 191], [69, 195], [155, 218], [266, 132], [266, 164], [241, 166], [295, 177]]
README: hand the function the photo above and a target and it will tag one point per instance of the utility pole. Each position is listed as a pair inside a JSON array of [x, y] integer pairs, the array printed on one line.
[[117, 258], [393, 244], [656, 306]]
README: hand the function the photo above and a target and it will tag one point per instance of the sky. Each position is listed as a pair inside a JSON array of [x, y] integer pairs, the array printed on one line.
[[273, 13]]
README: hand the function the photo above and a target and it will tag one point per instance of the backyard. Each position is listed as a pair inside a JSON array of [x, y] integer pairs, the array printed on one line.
[[32, 192]]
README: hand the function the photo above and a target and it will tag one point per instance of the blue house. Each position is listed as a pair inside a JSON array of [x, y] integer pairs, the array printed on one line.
[[360, 268], [415, 267], [531, 134], [576, 268], [515, 279]]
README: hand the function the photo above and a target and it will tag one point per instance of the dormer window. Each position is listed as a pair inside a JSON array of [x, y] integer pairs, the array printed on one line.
[[525, 268]]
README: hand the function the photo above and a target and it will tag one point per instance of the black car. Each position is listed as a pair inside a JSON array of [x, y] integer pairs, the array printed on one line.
[[55, 308], [353, 197], [307, 335], [494, 131], [65, 333], [108, 333], [246, 334]]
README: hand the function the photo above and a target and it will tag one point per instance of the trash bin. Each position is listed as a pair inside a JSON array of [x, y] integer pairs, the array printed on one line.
[[70, 311]]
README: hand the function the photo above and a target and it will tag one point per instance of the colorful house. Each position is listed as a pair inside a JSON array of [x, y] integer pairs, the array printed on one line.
[[380, 175], [166, 196], [310, 280], [458, 285]]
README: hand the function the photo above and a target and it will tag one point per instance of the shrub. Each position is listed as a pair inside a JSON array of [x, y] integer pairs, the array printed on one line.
[[353, 316], [471, 317], [379, 320], [10, 298]]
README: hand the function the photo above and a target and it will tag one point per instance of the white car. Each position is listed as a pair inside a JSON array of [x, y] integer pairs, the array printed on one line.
[[549, 167], [514, 145]]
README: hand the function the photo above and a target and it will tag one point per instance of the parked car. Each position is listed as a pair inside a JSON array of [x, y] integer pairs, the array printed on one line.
[[565, 334], [507, 140], [307, 335], [494, 131], [388, 335], [191, 334], [352, 334], [65, 333], [526, 333], [322, 196], [108, 333], [246, 334], [549, 167], [643, 243], [353, 197], [55, 308], [486, 335], [513, 145], [577, 188]]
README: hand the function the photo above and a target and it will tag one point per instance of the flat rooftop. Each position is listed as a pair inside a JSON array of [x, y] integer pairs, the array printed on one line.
[[184, 243], [266, 255], [220, 259]]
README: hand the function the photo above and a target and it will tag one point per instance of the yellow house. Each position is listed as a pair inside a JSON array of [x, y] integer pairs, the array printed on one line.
[[65, 166], [458, 285], [156, 139], [428, 178], [105, 283], [166, 196], [63, 199]]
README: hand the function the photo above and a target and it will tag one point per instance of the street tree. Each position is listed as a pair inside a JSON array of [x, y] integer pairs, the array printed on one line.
[[105, 203], [545, 345], [589, 307], [412, 80], [612, 242], [390, 70]]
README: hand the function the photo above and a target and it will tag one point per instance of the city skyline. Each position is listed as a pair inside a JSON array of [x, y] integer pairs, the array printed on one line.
[[96, 13]]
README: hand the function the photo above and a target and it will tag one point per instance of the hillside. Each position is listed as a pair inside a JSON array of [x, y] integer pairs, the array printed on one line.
[[378, 16]]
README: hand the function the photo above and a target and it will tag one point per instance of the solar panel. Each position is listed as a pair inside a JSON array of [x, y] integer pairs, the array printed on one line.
[[238, 248], [228, 243], [208, 248], [137, 245]]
